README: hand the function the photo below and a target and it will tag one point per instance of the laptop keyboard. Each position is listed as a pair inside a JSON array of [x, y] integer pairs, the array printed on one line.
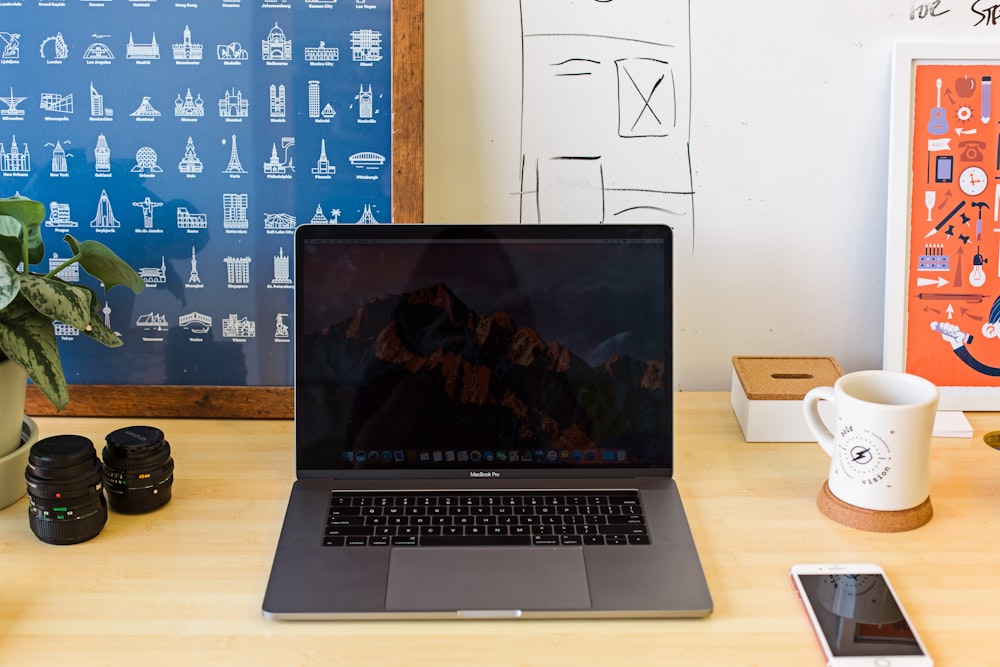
[[494, 518]]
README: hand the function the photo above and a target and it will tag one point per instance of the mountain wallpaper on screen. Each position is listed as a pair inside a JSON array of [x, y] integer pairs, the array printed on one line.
[[428, 371]]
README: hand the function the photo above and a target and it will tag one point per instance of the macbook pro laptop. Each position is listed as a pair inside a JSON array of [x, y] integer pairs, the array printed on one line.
[[483, 427]]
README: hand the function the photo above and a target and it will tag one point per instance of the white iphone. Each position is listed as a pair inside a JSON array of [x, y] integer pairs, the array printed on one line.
[[857, 617]]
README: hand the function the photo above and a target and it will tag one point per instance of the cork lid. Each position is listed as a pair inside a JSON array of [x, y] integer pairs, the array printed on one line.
[[784, 378]]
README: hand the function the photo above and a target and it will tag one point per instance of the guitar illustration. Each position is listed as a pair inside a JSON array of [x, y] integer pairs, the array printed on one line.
[[939, 117]]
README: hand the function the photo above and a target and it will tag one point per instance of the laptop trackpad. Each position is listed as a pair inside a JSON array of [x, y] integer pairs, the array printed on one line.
[[491, 579]]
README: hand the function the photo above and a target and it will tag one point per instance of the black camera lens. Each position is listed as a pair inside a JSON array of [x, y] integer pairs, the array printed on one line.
[[138, 469], [65, 501]]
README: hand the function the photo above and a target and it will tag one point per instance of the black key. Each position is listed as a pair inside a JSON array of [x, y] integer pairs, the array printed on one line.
[[545, 540], [333, 541], [356, 541], [621, 529], [593, 539], [343, 531], [347, 521], [638, 539], [478, 541], [571, 540], [345, 510]]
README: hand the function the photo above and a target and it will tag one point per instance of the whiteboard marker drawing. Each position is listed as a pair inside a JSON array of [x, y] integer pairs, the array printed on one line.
[[605, 112]]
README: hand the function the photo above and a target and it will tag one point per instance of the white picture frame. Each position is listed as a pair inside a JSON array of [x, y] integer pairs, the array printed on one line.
[[936, 236]]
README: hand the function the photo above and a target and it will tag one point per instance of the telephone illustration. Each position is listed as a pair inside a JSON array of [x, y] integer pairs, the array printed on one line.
[[972, 150]]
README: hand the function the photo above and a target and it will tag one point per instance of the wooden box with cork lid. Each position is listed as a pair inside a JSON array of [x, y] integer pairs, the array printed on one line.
[[767, 395]]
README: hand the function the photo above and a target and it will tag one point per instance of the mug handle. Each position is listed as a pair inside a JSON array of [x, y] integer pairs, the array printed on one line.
[[810, 409]]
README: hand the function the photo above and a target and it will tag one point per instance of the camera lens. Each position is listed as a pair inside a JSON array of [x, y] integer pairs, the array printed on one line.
[[65, 501], [138, 469]]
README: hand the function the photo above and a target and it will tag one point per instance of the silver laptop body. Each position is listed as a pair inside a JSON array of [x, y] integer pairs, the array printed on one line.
[[515, 374]]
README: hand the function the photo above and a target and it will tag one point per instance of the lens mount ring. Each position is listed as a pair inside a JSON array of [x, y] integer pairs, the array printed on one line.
[[81, 485]]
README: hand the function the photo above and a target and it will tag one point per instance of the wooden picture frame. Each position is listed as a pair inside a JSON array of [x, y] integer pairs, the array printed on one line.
[[239, 402], [942, 288]]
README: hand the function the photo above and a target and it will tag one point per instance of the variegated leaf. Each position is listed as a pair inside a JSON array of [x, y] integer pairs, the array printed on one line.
[[100, 332], [28, 339], [58, 300], [10, 283]]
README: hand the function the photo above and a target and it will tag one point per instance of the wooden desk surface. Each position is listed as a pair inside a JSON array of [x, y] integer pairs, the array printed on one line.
[[183, 585]]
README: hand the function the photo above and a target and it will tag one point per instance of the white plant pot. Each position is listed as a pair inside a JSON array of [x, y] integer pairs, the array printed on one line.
[[12, 484], [13, 384]]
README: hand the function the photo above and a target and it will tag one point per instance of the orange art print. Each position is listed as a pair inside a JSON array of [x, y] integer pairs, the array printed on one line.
[[953, 294]]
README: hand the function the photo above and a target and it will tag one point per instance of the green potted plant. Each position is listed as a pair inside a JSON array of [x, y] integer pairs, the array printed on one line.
[[30, 305]]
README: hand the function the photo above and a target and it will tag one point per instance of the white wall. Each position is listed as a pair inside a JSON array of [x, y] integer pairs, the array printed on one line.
[[789, 157]]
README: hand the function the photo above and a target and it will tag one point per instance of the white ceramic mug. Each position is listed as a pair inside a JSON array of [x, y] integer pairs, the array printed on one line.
[[881, 437]]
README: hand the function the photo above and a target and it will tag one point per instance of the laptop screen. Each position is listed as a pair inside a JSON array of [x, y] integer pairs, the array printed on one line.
[[478, 348]]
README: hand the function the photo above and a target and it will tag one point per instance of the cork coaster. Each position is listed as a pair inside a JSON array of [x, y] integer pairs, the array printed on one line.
[[872, 520]]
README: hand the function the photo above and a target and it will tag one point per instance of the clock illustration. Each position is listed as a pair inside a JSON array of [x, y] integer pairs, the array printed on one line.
[[864, 456], [853, 585], [973, 180]]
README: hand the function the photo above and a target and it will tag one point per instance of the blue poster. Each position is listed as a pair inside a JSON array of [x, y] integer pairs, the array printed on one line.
[[192, 137]]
